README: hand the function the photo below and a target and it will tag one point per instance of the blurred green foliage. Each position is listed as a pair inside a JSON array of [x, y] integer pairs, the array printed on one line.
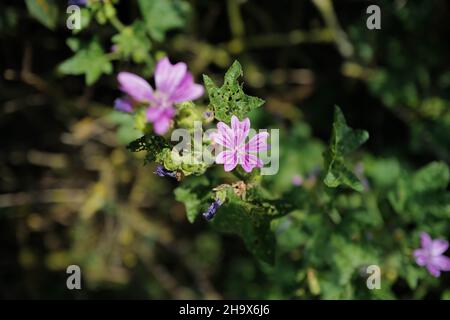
[[71, 193]]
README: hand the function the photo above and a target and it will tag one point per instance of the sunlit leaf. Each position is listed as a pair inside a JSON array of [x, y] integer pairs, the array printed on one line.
[[90, 61], [45, 11], [163, 15], [230, 99]]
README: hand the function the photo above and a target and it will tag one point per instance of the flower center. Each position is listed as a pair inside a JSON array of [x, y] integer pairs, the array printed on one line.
[[161, 100]]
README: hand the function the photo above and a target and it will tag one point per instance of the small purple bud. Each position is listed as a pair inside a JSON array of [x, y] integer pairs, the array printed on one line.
[[365, 184], [161, 171], [77, 2], [207, 114], [114, 48], [359, 168], [359, 172], [313, 174], [211, 212], [297, 180], [123, 104]]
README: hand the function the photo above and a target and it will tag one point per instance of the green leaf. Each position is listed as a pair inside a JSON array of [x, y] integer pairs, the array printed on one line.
[[384, 172], [191, 202], [90, 61], [344, 140], [338, 174], [192, 193], [85, 20], [73, 43], [249, 223], [434, 176], [126, 131], [153, 144], [45, 11], [163, 15], [412, 276], [133, 42], [445, 295], [230, 99], [417, 196], [348, 257]]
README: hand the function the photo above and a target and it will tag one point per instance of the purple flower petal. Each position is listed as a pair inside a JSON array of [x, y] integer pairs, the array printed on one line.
[[221, 139], [160, 117], [123, 104], [154, 113], [161, 126], [433, 270], [228, 158], [441, 262], [240, 130], [438, 247], [187, 90], [225, 136], [249, 162], [421, 257], [257, 143], [243, 125], [135, 86], [168, 77], [225, 156], [425, 240]]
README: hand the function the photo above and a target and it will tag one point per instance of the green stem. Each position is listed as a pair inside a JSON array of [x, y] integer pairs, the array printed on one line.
[[343, 44], [112, 55], [292, 38], [116, 23], [253, 178], [239, 175], [235, 17], [236, 45]]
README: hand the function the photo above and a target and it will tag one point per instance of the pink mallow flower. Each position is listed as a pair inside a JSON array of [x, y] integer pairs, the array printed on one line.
[[174, 84], [431, 255], [234, 140]]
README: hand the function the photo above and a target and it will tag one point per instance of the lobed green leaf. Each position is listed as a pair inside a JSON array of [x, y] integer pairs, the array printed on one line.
[[45, 11], [344, 140], [90, 61], [163, 15], [151, 143], [230, 99]]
